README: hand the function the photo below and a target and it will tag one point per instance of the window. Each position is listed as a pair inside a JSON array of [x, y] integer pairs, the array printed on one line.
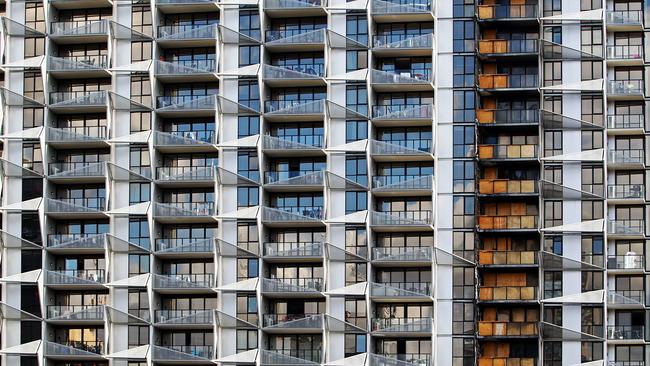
[[249, 94], [463, 283], [248, 165], [630, 355], [552, 143], [139, 232], [139, 192], [141, 51], [592, 320], [464, 211], [552, 284], [139, 303], [356, 240], [463, 9], [246, 340], [592, 210], [248, 126], [356, 169], [140, 121], [463, 318], [592, 39], [32, 117], [249, 55], [33, 86], [553, 173], [593, 109], [591, 281], [464, 244], [247, 308], [355, 201], [247, 196], [356, 60], [249, 24], [247, 268], [138, 264], [355, 312], [355, 273], [593, 250], [141, 20], [141, 89], [552, 73], [35, 16], [464, 106], [553, 245], [464, 36], [593, 179], [553, 34], [248, 236], [592, 70], [34, 46], [590, 4], [462, 351], [33, 157], [552, 213], [138, 335], [140, 161], [355, 344], [552, 353], [591, 350], [356, 130], [357, 28], [356, 98], [464, 140], [464, 176], [464, 71]]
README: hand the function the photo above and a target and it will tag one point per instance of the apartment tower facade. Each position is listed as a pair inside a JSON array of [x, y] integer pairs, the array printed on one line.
[[324, 182]]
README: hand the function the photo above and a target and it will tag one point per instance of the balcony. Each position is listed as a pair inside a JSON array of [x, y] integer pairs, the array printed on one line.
[[625, 228], [507, 223], [185, 247], [507, 329], [183, 354], [400, 290], [185, 318], [293, 251], [625, 55], [400, 359], [493, 48], [626, 299], [506, 258], [393, 327], [185, 141], [284, 8], [295, 40], [294, 75], [624, 20], [401, 80], [509, 13], [80, 4], [626, 158], [78, 66], [625, 89], [507, 82], [75, 314], [398, 114], [184, 211], [67, 350], [402, 150], [507, 117], [626, 193], [69, 208], [404, 256], [75, 278], [506, 361], [630, 262], [187, 105], [625, 363], [508, 187], [401, 185], [290, 323], [187, 35], [294, 110], [186, 175], [81, 243], [293, 145], [292, 287], [402, 220], [508, 152], [401, 10], [186, 70], [77, 172], [180, 6], [627, 123], [69, 137], [181, 283], [294, 180], [625, 333], [291, 356], [92, 31], [403, 45], [79, 101], [508, 293]]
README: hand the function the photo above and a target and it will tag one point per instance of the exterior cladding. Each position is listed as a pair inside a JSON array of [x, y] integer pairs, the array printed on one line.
[[324, 182]]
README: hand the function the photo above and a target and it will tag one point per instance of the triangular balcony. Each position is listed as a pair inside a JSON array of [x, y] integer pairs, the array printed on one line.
[[294, 7], [67, 137], [76, 314], [183, 282], [294, 75], [78, 66], [93, 31], [403, 44], [296, 40], [184, 35], [294, 215], [403, 255], [185, 318], [288, 323], [286, 287], [410, 80], [79, 101], [182, 354], [78, 171], [401, 290], [634, 299], [294, 180], [293, 145], [82, 243], [187, 105], [290, 357], [186, 70], [75, 207], [74, 350], [393, 114], [64, 278], [401, 219], [185, 247], [386, 185], [293, 250], [402, 326], [294, 110], [184, 211]]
